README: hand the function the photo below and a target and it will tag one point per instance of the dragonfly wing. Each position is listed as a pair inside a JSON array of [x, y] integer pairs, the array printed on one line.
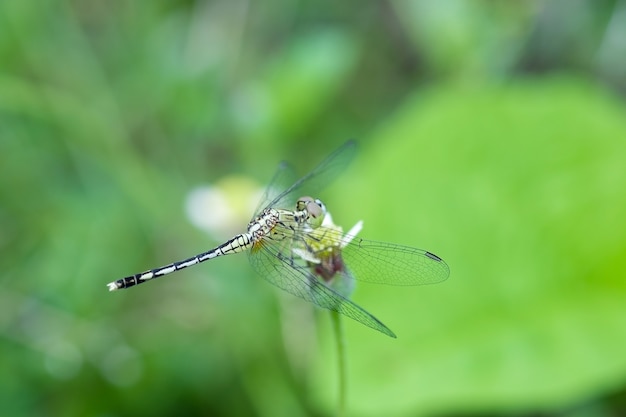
[[283, 178], [386, 263], [274, 262], [321, 176]]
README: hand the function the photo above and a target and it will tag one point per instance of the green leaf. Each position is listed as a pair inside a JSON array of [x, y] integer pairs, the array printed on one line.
[[521, 190]]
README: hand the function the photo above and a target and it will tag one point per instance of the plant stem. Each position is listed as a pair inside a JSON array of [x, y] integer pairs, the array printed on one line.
[[341, 357]]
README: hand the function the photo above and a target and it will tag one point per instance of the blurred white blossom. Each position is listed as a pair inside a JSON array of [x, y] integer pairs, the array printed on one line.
[[224, 208]]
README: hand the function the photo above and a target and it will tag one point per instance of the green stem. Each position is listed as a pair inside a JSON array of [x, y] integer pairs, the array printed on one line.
[[341, 357]]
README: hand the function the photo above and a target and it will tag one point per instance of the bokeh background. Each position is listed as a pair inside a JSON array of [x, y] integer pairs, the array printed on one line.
[[491, 133]]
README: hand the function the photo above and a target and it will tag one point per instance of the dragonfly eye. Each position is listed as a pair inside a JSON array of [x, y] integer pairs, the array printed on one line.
[[315, 210], [303, 203], [321, 205]]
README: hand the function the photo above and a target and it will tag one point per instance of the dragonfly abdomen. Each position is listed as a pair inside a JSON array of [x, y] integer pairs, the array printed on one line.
[[237, 244]]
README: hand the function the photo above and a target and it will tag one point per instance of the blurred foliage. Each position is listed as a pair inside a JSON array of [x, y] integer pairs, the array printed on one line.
[[492, 133], [534, 310]]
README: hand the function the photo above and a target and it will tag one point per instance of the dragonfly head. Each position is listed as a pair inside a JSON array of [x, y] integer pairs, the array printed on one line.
[[314, 207]]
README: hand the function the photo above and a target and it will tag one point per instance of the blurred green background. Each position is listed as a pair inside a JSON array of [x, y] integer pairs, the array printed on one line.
[[491, 133]]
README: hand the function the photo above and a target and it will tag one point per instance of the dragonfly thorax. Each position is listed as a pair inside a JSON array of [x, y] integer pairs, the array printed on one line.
[[309, 213], [263, 224]]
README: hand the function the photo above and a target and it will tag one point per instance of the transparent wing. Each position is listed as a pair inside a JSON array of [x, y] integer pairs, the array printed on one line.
[[321, 176], [274, 262], [283, 178], [386, 263]]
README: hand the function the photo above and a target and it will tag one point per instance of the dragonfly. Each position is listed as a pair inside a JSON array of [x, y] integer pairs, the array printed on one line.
[[294, 244]]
